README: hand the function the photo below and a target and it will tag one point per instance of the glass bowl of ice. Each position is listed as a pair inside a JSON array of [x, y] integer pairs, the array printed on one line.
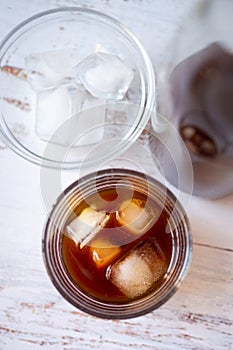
[[62, 73], [117, 244]]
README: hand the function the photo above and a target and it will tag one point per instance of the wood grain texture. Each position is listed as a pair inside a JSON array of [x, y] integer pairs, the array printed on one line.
[[33, 315]]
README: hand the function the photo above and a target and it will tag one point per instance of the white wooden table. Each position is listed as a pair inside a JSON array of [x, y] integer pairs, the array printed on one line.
[[33, 315]]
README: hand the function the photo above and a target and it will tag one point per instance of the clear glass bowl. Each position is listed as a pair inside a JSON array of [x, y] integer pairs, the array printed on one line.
[[177, 227], [65, 29]]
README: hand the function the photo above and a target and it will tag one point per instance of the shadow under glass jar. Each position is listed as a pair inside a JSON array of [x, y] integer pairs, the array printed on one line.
[[168, 236]]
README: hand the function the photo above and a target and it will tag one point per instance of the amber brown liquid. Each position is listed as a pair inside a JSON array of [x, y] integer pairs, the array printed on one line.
[[79, 262]]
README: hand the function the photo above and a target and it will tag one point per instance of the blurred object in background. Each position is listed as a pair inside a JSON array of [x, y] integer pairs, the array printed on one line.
[[195, 93]]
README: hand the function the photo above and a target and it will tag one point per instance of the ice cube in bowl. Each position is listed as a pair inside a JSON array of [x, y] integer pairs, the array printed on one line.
[[66, 114], [51, 68], [104, 75]]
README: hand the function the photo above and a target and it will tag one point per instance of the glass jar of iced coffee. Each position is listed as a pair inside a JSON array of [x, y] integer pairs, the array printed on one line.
[[117, 244]]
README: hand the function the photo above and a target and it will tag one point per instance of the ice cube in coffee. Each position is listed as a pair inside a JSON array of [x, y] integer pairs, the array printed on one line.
[[137, 272], [117, 253]]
